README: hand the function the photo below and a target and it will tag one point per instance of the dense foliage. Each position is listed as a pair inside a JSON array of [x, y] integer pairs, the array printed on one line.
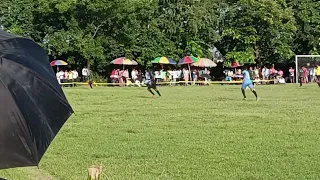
[[94, 32]]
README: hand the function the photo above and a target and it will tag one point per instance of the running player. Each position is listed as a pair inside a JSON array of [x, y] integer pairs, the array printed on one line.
[[252, 75], [301, 75], [151, 83], [247, 82], [90, 79]]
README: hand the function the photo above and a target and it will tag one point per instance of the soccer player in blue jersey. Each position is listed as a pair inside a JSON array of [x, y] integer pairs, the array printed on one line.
[[247, 82]]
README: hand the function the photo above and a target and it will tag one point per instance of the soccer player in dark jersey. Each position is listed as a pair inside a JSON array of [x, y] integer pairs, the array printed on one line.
[[252, 75], [151, 82], [301, 75], [90, 79], [247, 82]]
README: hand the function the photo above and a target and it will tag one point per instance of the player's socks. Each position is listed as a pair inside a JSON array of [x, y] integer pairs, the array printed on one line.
[[255, 93], [244, 94], [151, 92], [158, 92]]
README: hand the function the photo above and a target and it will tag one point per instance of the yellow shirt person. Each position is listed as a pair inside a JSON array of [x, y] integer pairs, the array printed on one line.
[[318, 71]]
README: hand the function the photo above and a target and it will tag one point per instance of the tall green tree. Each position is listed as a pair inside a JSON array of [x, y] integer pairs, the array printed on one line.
[[258, 31], [307, 16]]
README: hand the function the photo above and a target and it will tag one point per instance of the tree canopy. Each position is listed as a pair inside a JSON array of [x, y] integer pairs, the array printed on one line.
[[94, 32]]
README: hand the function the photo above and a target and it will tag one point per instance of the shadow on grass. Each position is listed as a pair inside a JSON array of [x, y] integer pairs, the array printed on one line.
[[228, 99], [144, 96]]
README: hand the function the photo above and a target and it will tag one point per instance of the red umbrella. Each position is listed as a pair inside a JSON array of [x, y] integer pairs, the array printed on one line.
[[234, 64], [188, 60]]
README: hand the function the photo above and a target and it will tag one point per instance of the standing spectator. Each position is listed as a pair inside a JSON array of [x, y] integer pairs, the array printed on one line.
[[314, 74], [121, 77], [318, 75], [229, 75], [61, 76], [175, 76], [305, 75], [186, 76], [180, 74], [170, 75], [263, 72], [113, 75], [126, 76], [256, 72], [267, 74], [157, 76], [163, 75], [272, 72], [58, 76], [134, 75], [75, 75], [310, 74], [194, 76], [66, 76], [70, 76], [85, 73], [291, 73]]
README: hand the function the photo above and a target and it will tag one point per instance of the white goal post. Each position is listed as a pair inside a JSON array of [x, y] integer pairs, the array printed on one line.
[[303, 60]]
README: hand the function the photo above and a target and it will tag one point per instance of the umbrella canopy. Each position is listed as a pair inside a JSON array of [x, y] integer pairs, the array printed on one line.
[[234, 64], [163, 60], [58, 63], [124, 61], [188, 60], [35, 106], [204, 62]]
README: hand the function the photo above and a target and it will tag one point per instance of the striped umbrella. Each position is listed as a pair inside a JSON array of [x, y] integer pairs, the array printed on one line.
[[58, 63], [124, 61], [204, 62], [188, 60], [163, 60]]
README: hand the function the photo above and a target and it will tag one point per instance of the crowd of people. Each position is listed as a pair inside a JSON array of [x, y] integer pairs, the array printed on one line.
[[172, 76], [125, 77], [307, 74]]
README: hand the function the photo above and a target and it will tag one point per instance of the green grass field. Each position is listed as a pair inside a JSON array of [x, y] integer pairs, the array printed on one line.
[[189, 133]]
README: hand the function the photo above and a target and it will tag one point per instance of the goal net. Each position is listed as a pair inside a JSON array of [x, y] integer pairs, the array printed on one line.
[[307, 61]]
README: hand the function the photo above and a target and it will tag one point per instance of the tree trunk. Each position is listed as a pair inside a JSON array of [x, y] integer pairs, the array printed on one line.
[[88, 65], [257, 55]]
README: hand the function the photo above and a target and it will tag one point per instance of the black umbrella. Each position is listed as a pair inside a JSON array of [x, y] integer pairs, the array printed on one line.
[[33, 106]]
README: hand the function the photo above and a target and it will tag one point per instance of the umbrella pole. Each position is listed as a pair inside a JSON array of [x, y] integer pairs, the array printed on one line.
[[189, 73], [57, 68]]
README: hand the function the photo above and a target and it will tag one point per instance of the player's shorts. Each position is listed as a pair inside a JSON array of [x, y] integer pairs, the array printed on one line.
[[247, 84], [150, 84]]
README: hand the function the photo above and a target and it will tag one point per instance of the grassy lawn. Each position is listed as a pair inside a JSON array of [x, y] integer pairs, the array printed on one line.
[[189, 133]]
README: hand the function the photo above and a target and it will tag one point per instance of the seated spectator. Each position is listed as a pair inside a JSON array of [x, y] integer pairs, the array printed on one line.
[[280, 73], [282, 80]]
